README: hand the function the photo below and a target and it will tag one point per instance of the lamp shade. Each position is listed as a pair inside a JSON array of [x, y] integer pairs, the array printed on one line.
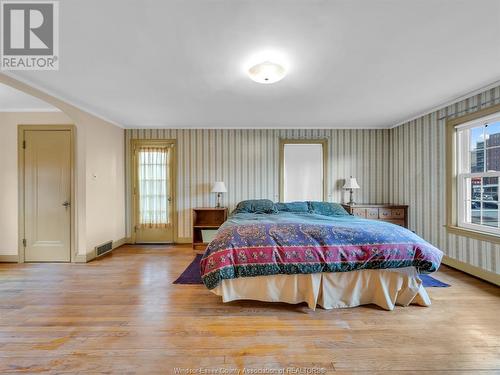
[[351, 183], [219, 187]]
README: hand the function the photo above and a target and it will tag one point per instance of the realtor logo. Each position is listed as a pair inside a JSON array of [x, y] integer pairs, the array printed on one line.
[[29, 35]]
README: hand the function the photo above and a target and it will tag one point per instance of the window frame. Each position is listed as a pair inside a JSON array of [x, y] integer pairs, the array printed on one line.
[[454, 158], [323, 142]]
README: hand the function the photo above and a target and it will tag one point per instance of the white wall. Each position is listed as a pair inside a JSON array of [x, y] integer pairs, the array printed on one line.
[[100, 201], [105, 184]]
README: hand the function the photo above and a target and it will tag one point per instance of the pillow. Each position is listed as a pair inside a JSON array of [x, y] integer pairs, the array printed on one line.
[[257, 206], [292, 207], [326, 209]]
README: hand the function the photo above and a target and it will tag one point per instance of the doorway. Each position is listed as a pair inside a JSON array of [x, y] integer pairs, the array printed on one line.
[[45, 193], [153, 164]]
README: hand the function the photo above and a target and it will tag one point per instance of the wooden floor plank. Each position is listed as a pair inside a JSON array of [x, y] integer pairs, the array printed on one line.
[[122, 314]]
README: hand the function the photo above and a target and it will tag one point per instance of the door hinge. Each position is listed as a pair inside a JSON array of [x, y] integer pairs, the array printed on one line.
[[24, 242], [135, 228], [24, 144]]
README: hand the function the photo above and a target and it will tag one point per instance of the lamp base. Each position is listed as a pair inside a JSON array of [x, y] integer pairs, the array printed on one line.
[[217, 205], [351, 199]]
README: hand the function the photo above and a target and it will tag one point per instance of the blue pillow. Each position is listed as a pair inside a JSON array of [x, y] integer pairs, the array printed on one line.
[[257, 206], [326, 209], [292, 207]]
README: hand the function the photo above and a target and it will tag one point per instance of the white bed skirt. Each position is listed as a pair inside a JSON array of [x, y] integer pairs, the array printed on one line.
[[385, 288]]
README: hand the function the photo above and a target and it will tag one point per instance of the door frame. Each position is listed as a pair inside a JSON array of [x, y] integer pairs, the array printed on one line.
[[21, 188], [134, 143], [284, 141]]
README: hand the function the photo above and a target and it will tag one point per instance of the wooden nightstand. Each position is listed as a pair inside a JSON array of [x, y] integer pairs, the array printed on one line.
[[393, 213], [206, 218]]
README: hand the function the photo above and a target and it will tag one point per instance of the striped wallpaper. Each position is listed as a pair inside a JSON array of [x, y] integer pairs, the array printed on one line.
[[403, 165], [418, 177], [248, 162]]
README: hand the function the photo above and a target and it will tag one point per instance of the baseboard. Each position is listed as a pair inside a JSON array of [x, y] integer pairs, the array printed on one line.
[[489, 276], [9, 258], [184, 240], [121, 242], [85, 258], [80, 258]]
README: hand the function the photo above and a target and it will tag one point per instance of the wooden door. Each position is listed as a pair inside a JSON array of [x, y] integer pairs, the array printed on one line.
[[153, 192], [47, 195]]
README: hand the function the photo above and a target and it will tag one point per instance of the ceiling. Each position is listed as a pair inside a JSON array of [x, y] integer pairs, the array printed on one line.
[[12, 100], [352, 64]]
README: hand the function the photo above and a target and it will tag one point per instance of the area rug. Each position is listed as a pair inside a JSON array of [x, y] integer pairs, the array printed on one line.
[[430, 281], [191, 275]]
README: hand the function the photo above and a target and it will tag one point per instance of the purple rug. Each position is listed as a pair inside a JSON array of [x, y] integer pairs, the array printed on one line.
[[429, 281], [191, 275]]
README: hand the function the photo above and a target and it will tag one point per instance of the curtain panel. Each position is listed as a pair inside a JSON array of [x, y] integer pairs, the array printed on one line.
[[152, 185]]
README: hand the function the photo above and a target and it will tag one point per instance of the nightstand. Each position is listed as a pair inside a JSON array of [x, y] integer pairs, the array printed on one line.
[[392, 213], [206, 219]]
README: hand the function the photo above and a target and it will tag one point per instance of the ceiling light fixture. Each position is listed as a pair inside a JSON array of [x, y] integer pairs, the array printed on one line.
[[267, 72]]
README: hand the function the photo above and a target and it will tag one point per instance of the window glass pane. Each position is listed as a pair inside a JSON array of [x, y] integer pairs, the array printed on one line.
[[476, 138], [477, 161], [490, 189], [493, 159], [490, 214], [492, 134], [475, 188], [475, 217]]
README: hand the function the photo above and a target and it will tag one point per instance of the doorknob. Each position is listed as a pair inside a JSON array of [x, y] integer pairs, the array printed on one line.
[[66, 204]]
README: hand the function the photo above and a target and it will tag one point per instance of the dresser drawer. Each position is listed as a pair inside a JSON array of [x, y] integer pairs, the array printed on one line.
[[385, 213], [398, 213], [360, 212], [372, 213], [391, 213]]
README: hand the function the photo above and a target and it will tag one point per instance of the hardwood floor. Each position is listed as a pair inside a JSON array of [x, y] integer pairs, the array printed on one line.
[[122, 314]]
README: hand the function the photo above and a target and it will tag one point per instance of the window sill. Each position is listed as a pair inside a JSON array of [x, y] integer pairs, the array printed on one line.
[[477, 235]]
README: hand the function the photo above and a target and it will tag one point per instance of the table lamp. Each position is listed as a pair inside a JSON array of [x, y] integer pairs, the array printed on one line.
[[219, 187], [351, 184]]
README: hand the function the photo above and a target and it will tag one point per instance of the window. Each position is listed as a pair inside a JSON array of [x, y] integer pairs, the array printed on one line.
[[478, 171], [303, 170], [152, 177]]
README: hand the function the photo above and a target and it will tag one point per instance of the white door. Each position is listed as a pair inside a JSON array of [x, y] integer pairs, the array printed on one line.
[[47, 193]]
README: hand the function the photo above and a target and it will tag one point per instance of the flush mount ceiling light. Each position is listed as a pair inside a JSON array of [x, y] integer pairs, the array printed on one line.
[[267, 72]]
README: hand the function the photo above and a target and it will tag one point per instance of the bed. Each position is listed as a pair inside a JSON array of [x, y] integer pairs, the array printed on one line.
[[317, 253]]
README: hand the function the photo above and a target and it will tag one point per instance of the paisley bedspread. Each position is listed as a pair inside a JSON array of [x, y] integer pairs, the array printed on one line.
[[250, 245]]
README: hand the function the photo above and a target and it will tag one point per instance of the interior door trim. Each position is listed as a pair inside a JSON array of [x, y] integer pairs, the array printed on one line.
[[134, 143], [20, 196]]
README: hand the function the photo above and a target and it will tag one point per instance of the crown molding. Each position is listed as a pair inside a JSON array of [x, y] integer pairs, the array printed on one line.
[[448, 102]]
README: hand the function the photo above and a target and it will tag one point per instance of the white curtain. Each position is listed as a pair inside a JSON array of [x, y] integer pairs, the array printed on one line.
[[153, 186]]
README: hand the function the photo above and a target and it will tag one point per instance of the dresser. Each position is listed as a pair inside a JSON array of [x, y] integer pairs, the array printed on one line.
[[392, 213]]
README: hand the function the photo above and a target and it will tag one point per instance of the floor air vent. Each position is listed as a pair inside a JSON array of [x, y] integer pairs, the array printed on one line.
[[104, 248]]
